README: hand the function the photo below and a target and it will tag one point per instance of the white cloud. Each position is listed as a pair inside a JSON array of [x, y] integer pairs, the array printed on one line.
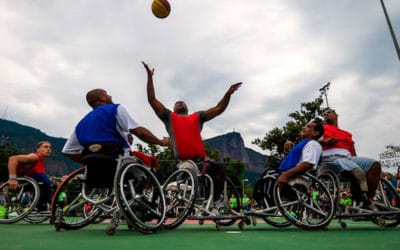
[[283, 51]]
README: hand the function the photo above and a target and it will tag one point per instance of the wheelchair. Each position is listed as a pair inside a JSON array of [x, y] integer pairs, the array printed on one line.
[[20, 204], [264, 206], [120, 189], [386, 199], [190, 195], [304, 202]]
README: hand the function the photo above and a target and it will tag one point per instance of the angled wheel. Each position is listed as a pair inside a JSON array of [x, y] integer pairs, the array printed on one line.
[[73, 214], [223, 205], [180, 195], [139, 196], [268, 206], [306, 202], [331, 181], [387, 199], [21, 202]]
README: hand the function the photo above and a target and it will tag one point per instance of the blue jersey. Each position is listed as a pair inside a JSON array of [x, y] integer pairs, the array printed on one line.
[[293, 157], [100, 125]]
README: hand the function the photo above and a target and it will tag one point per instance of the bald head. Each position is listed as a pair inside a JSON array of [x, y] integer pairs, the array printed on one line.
[[97, 97]]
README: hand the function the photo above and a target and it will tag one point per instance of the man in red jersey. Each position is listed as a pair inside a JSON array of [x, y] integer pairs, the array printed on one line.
[[185, 130], [338, 148], [32, 165]]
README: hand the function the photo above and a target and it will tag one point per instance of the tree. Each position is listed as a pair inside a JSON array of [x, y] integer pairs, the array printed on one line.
[[5, 152], [275, 138]]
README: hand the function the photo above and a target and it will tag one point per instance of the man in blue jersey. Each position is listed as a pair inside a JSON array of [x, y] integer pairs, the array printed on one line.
[[305, 155], [107, 127]]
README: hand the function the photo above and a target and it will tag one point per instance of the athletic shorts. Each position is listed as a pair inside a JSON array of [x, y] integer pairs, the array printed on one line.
[[350, 163]]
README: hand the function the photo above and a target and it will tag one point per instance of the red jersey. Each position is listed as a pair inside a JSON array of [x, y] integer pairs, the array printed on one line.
[[186, 130], [344, 138], [37, 168]]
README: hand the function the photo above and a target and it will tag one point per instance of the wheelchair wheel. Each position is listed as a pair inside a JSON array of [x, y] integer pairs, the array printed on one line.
[[37, 217], [331, 182], [387, 200], [139, 196], [268, 205], [306, 202], [180, 191], [20, 202], [223, 206], [74, 214]]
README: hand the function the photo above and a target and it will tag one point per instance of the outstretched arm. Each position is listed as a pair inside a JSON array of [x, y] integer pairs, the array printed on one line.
[[157, 106], [146, 136], [223, 103]]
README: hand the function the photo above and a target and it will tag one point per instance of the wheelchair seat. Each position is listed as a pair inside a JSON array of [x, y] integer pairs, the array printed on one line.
[[100, 170]]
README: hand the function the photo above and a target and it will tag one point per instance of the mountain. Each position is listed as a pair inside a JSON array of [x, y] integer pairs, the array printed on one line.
[[232, 145], [25, 138]]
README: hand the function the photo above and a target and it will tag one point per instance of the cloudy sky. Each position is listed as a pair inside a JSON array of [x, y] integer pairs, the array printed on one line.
[[284, 51]]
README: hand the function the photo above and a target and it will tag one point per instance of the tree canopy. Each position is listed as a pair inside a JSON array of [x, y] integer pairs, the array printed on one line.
[[274, 139]]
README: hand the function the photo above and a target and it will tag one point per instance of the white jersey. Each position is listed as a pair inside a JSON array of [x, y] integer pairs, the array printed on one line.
[[311, 153]]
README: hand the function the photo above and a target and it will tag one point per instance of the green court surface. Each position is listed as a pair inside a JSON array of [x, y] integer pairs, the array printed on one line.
[[357, 235]]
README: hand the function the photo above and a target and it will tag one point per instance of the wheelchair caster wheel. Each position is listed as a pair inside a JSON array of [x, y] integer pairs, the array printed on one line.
[[247, 221], [254, 221], [201, 222], [110, 230], [218, 226], [381, 222], [57, 226], [241, 225], [343, 225]]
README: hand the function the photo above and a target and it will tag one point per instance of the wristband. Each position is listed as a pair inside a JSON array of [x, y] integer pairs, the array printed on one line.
[[12, 176]]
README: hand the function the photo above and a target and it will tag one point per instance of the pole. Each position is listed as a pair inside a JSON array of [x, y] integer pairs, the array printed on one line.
[[396, 45], [324, 91]]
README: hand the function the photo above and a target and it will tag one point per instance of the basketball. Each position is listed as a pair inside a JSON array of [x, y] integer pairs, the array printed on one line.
[[160, 8]]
